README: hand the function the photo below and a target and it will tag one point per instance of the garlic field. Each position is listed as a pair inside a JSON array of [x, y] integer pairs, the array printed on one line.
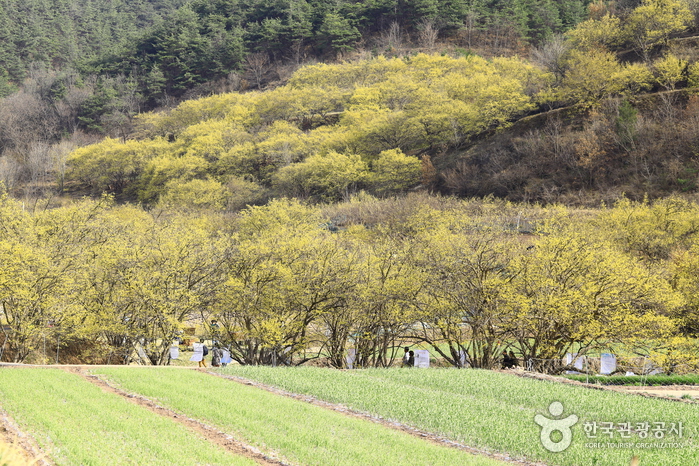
[[314, 416], [496, 411]]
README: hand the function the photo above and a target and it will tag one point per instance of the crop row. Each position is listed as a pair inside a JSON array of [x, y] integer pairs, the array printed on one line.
[[76, 422], [496, 411], [299, 432]]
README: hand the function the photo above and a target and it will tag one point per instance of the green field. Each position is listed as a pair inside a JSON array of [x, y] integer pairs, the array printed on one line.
[[496, 411], [297, 431], [76, 422]]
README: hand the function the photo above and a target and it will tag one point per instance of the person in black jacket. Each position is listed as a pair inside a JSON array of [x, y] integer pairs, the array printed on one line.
[[506, 360], [202, 363], [406, 356]]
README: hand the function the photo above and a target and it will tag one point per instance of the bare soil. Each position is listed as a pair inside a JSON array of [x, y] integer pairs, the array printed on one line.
[[23, 445]]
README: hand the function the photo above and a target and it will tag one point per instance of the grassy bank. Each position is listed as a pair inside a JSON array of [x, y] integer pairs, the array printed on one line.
[[650, 380]]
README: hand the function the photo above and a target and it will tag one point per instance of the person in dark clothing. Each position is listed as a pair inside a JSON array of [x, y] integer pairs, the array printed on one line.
[[216, 355], [506, 360], [202, 363], [411, 358], [514, 362], [406, 355]]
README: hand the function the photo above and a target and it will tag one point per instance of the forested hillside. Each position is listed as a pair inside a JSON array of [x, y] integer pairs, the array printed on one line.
[[60, 33], [467, 98], [277, 167], [574, 122], [75, 73], [332, 130], [208, 39]]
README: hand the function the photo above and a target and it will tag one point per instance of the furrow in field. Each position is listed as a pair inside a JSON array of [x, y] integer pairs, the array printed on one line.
[[210, 433], [76, 422], [429, 436], [299, 432]]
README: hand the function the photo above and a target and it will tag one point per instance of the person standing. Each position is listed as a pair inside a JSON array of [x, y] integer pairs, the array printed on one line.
[[205, 352], [200, 351], [406, 356], [216, 355], [514, 362]]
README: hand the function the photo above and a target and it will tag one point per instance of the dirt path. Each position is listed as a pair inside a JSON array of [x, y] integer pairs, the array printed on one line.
[[443, 441], [22, 446], [667, 392], [210, 433], [670, 392]]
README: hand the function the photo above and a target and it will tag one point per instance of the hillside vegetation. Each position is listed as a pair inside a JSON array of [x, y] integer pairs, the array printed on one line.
[[298, 215], [180, 44], [62, 33], [575, 123], [96, 282], [331, 130]]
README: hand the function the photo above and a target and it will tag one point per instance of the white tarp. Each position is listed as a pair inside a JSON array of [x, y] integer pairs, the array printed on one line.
[[463, 359], [422, 358], [607, 363], [174, 352], [198, 352], [226, 358], [576, 361], [351, 357]]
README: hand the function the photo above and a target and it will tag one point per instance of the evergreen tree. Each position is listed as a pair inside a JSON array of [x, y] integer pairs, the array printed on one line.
[[338, 33]]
